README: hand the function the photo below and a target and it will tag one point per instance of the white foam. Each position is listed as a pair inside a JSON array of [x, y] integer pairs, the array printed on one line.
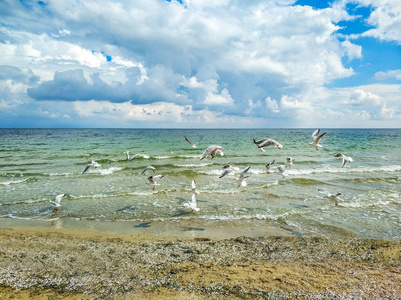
[[14, 182], [109, 171]]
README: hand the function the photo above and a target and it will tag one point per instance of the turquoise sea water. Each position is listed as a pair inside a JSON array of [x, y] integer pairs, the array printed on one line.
[[38, 164]]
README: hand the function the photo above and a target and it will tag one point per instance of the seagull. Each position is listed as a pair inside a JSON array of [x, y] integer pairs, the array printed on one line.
[[193, 187], [268, 165], [229, 169], [127, 154], [241, 178], [191, 204], [316, 139], [57, 201], [153, 180], [212, 151], [344, 158], [138, 156], [280, 171], [193, 145], [265, 143], [92, 164], [330, 196], [289, 163], [148, 168]]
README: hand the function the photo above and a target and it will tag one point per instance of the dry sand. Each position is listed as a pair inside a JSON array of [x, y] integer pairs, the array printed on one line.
[[72, 264]]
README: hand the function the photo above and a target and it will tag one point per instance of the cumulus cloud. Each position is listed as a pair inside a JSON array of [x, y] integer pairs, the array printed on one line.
[[385, 18], [364, 98], [220, 60], [222, 99]]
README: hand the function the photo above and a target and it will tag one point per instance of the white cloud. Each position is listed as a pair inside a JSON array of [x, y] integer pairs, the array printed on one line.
[[364, 98], [353, 51], [227, 59], [272, 105], [222, 99], [388, 74], [386, 19]]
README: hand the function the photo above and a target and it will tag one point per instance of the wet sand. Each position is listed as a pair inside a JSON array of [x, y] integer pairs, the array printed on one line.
[[51, 263]]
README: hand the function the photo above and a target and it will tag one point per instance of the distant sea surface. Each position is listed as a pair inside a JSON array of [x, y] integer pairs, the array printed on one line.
[[38, 164]]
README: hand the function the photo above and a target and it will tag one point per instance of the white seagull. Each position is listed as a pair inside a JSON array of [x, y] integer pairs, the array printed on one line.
[[148, 168], [191, 204], [127, 154], [138, 156], [269, 165], [212, 151], [316, 139], [280, 171], [193, 187], [153, 180], [229, 169], [92, 164], [242, 177], [265, 143], [289, 163], [57, 201], [344, 158], [193, 145], [330, 196]]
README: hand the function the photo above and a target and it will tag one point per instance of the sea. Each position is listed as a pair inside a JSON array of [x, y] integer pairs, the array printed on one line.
[[36, 165]]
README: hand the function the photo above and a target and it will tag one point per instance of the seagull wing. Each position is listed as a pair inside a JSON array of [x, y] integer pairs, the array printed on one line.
[[226, 171], [243, 173], [315, 133], [127, 154], [193, 184], [188, 141], [318, 138], [58, 199], [207, 151], [87, 168]]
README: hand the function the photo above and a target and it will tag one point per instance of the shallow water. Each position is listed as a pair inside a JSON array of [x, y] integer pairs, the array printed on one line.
[[38, 164]]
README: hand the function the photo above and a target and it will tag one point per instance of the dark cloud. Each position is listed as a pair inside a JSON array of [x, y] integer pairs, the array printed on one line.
[[25, 76]]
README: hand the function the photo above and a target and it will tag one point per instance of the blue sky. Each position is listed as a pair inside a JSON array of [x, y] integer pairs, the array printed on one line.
[[200, 63]]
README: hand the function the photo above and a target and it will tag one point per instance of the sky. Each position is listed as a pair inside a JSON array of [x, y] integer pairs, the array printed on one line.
[[200, 64]]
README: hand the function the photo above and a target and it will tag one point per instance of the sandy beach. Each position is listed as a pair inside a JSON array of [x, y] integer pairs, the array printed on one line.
[[49, 263]]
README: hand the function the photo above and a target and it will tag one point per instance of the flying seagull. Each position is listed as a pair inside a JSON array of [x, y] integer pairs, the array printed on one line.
[[212, 151], [344, 158], [330, 196], [280, 171], [191, 204], [316, 139], [193, 145], [193, 187], [289, 163], [127, 154], [242, 177], [229, 169], [153, 180], [57, 201], [148, 168], [269, 165], [92, 164], [265, 143]]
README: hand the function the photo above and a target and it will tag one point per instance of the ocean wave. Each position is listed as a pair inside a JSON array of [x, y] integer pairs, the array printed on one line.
[[349, 170], [36, 218], [12, 182]]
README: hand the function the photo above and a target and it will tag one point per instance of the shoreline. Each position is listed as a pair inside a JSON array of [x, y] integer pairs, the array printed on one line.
[[87, 264], [181, 228]]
